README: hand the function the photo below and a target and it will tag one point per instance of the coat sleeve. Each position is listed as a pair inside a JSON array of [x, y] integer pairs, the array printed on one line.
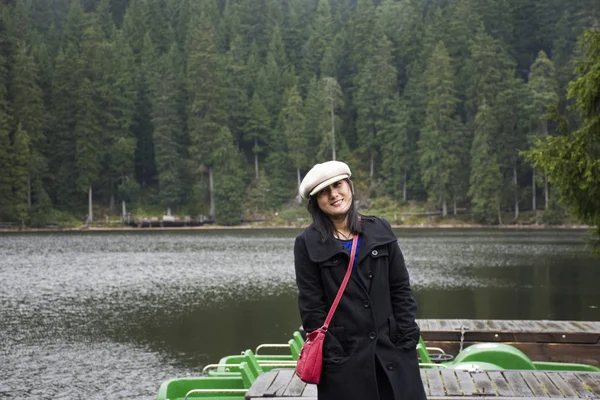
[[312, 301], [403, 302]]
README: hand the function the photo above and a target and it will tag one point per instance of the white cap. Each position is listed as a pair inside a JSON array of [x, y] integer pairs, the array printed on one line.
[[322, 175]]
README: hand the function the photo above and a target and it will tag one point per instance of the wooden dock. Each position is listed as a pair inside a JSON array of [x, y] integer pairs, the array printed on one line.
[[541, 340], [283, 384]]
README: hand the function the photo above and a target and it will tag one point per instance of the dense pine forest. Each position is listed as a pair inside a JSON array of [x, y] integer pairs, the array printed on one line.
[[220, 107]]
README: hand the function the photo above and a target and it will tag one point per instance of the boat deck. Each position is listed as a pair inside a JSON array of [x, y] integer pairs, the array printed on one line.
[[564, 341], [283, 384]]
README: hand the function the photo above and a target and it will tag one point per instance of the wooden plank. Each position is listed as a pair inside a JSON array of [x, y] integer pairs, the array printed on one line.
[[589, 381], [261, 384], [435, 382], [444, 325], [433, 325], [534, 385], [280, 383], [549, 386], [575, 384], [479, 325], [310, 391], [517, 384], [424, 380], [561, 384], [502, 386], [567, 326], [483, 383], [466, 383], [591, 326], [295, 388], [455, 324], [450, 382], [516, 326]]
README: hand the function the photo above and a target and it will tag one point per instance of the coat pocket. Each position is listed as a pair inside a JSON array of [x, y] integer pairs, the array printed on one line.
[[404, 340], [334, 347]]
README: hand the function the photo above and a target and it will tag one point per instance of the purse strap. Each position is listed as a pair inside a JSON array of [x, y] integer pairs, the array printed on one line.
[[340, 292]]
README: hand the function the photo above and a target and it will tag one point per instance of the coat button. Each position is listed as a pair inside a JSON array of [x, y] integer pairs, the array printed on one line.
[[372, 335], [374, 252], [390, 366], [394, 337], [370, 275], [366, 304]]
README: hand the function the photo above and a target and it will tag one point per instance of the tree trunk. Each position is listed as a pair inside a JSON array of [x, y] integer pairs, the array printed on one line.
[[123, 212], [444, 207], [255, 160], [90, 217], [404, 188], [454, 204], [371, 166], [211, 188], [29, 193], [533, 190], [546, 190], [111, 205], [298, 197], [499, 215], [516, 192], [332, 130]]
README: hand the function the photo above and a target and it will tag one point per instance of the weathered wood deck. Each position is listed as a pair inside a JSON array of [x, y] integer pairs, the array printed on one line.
[[283, 384], [542, 340]]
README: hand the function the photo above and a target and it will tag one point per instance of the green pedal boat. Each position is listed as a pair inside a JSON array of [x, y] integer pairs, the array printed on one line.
[[233, 375]]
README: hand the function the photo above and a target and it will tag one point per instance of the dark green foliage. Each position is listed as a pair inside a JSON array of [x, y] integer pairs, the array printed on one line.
[[20, 174], [572, 159], [486, 181], [167, 129], [180, 102]]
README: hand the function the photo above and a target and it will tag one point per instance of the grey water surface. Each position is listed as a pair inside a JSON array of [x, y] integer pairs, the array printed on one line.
[[110, 315]]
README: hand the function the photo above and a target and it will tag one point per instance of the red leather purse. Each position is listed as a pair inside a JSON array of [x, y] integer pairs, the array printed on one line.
[[310, 361]]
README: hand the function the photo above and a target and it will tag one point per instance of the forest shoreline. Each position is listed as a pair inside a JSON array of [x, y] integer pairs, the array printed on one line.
[[275, 226]]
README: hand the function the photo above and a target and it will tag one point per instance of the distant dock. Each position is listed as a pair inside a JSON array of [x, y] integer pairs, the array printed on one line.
[[541, 340]]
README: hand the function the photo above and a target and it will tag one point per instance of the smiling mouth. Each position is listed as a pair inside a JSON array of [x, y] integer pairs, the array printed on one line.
[[336, 203]]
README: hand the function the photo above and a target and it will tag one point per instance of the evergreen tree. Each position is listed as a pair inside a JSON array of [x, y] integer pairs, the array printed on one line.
[[438, 158], [292, 124], [29, 114], [543, 90], [65, 83], [207, 116], [512, 126], [229, 184], [257, 129], [145, 166], [167, 128], [333, 101], [237, 78], [376, 86], [486, 68], [320, 40], [20, 170], [277, 75], [486, 180], [6, 153], [571, 158], [395, 154], [317, 120]]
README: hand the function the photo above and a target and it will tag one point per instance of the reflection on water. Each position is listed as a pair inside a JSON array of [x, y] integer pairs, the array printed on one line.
[[111, 315]]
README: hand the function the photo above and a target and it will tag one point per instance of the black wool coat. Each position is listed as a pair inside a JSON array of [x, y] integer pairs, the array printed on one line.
[[375, 319]]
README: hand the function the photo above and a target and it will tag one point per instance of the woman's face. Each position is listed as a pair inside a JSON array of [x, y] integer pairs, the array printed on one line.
[[335, 200]]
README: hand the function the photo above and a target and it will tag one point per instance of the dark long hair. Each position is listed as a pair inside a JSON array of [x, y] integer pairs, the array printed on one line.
[[324, 225]]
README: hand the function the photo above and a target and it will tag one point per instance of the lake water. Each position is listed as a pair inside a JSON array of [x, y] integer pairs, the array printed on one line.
[[101, 315]]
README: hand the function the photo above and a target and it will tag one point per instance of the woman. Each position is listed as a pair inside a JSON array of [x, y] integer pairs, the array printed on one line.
[[369, 350]]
